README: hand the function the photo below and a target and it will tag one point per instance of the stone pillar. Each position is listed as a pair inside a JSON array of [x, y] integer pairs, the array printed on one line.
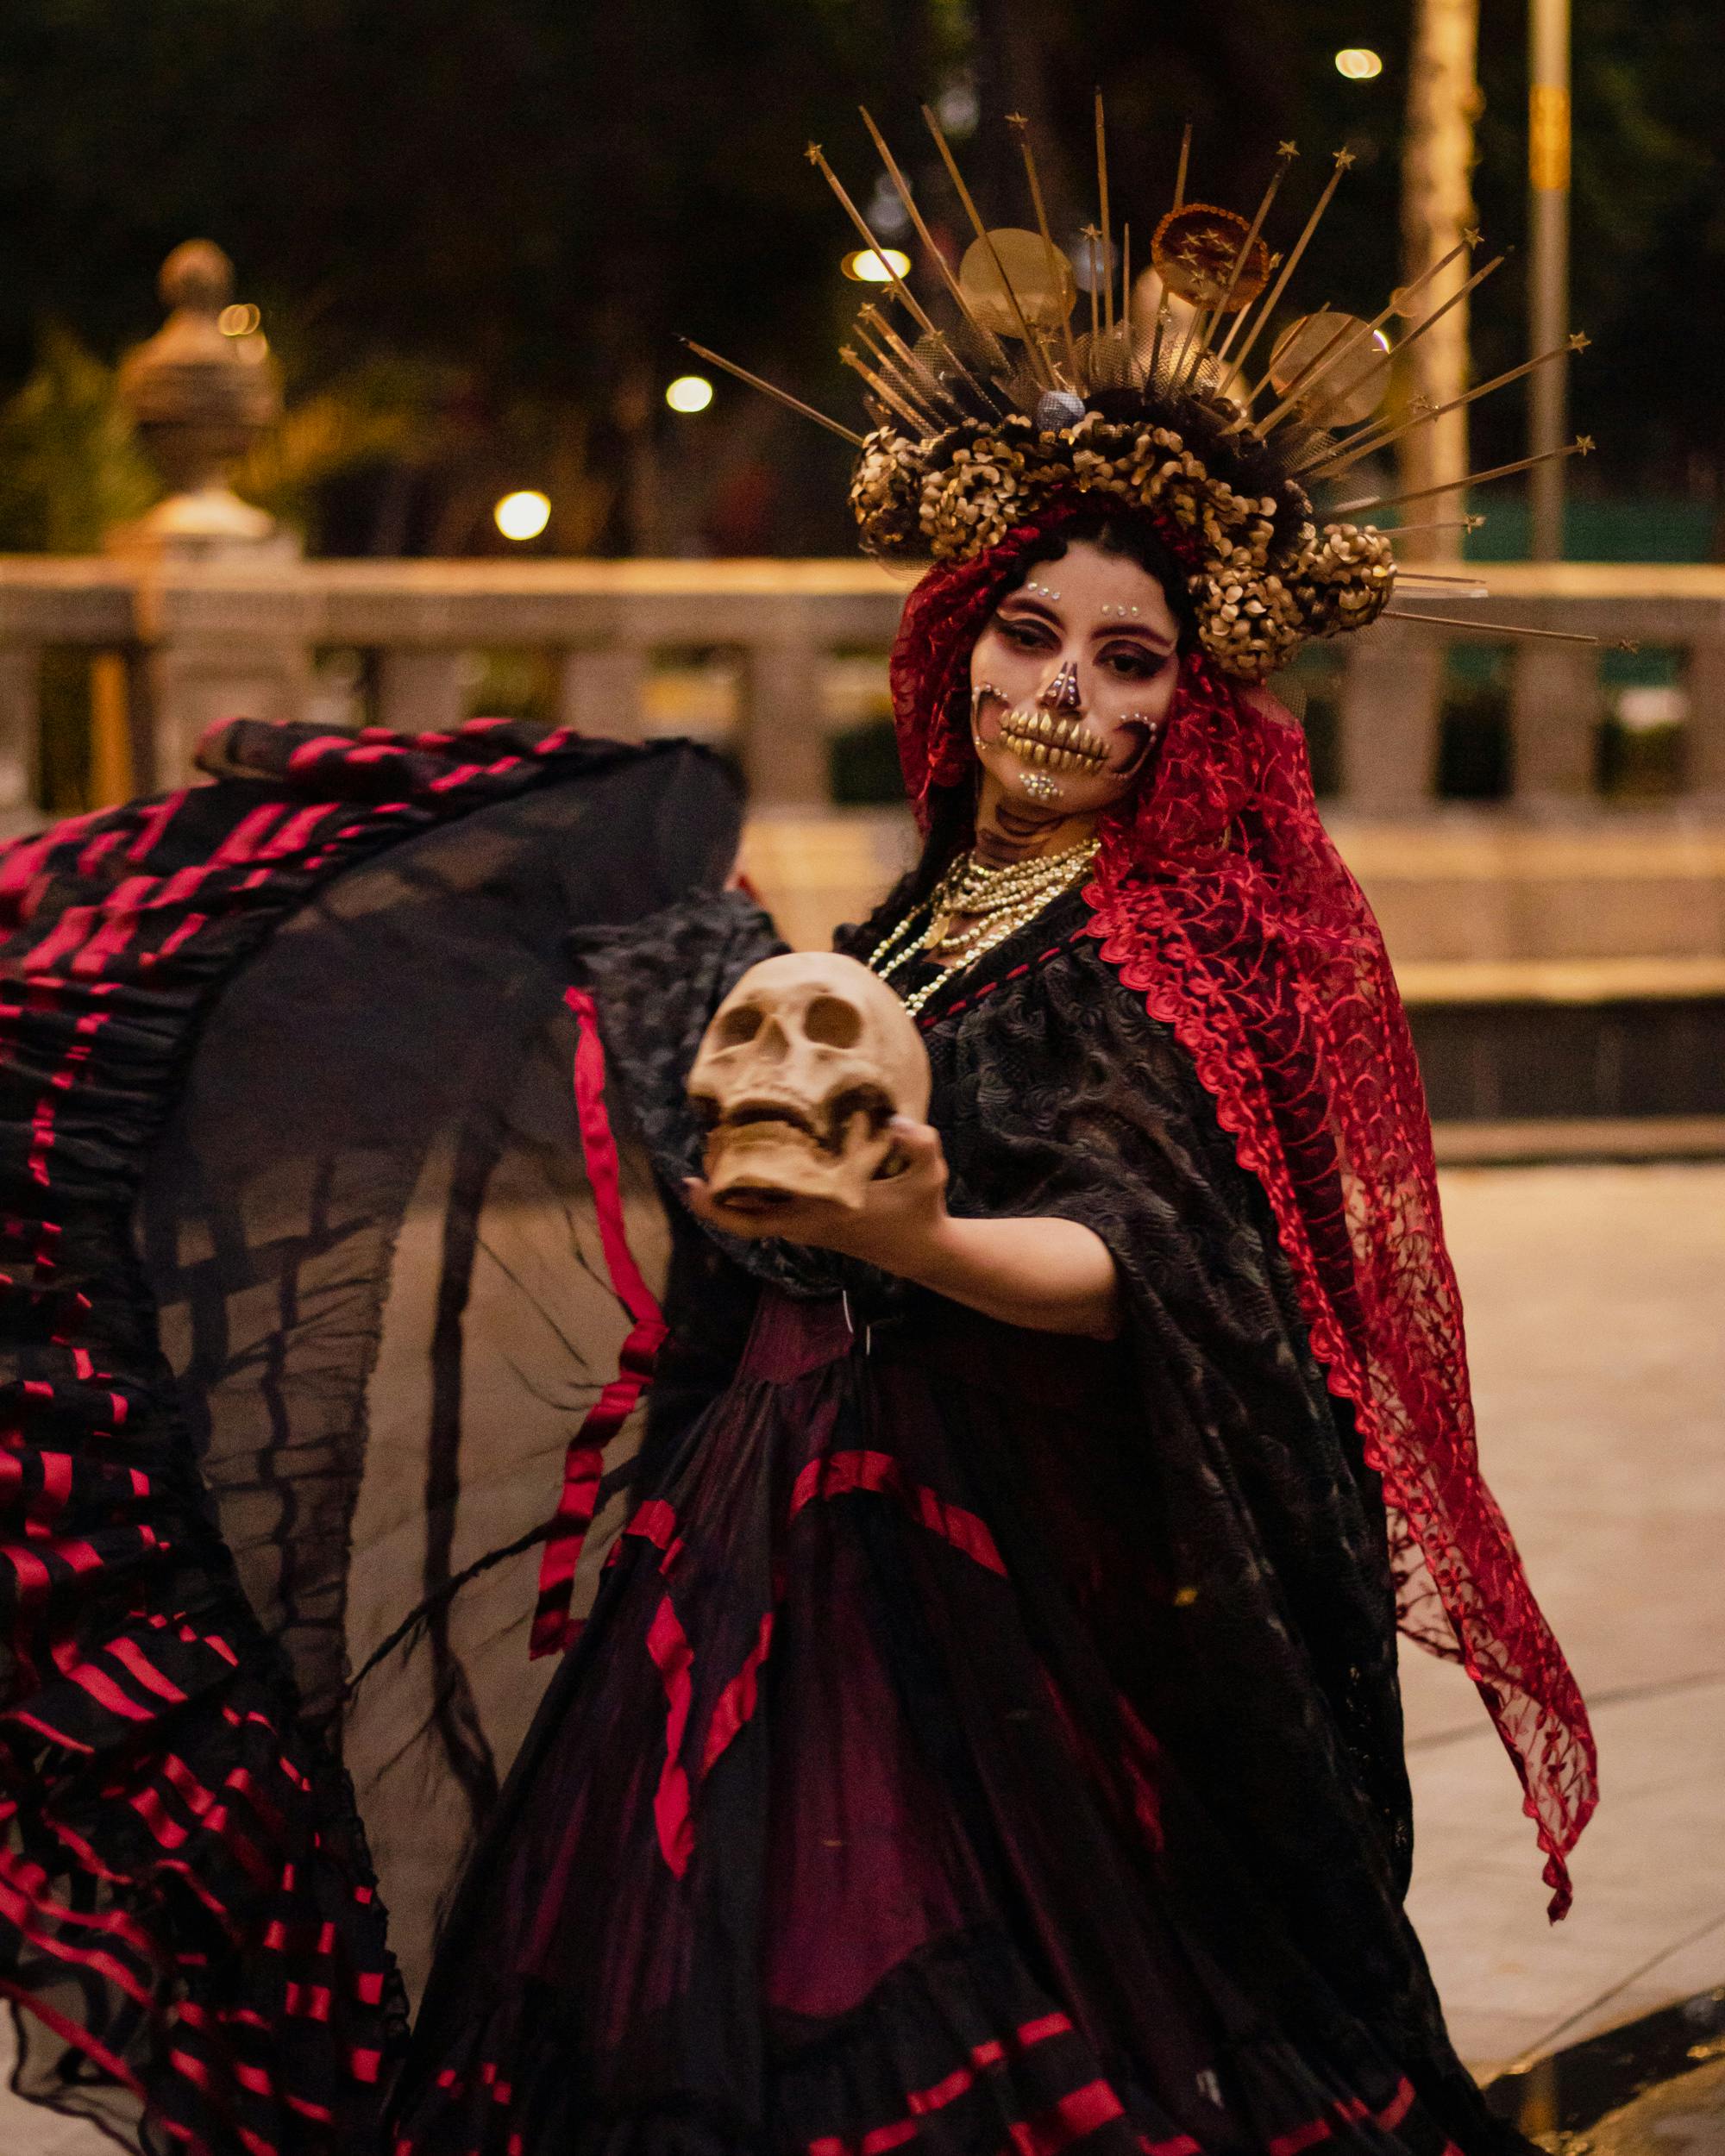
[[1391, 696], [20, 714], [602, 692], [235, 646], [199, 396], [179, 691], [207, 653], [1553, 717], [421, 691], [1704, 680], [784, 733]]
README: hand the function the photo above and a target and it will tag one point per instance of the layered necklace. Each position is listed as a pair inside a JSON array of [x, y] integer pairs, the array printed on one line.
[[995, 902]]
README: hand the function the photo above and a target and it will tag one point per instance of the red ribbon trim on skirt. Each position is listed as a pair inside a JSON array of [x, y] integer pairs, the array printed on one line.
[[552, 1627]]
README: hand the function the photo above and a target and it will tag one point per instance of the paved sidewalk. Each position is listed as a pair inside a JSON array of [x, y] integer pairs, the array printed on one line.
[[1596, 1302], [1686, 2117]]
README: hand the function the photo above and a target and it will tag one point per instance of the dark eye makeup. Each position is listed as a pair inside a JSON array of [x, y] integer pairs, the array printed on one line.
[[1025, 630], [1127, 661], [1134, 662]]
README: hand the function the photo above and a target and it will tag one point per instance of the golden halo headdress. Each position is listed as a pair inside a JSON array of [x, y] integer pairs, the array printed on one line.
[[1008, 409]]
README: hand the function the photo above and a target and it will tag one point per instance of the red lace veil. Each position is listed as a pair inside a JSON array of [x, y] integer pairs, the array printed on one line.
[[1219, 897]]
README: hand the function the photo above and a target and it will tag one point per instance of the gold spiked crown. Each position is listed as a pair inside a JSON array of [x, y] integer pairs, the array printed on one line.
[[1010, 410]]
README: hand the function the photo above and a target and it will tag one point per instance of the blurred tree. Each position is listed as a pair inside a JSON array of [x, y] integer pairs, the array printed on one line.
[[71, 469], [69, 465], [530, 200]]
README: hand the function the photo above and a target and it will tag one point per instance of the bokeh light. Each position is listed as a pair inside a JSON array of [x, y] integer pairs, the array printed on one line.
[[958, 109], [523, 515], [865, 266], [1358, 63], [238, 320], [689, 392]]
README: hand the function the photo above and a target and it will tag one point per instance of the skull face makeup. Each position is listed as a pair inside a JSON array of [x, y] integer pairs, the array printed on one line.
[[1069, 687], [804, 1065]]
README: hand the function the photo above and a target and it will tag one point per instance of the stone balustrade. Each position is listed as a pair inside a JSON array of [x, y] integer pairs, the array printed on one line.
[[195, 642], [1563, 955]]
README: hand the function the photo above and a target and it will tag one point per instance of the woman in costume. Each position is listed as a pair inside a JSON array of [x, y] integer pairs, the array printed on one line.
[[987, 1735], [978, 1727]]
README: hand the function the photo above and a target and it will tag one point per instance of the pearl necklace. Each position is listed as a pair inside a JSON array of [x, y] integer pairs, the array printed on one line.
[[997, 902]]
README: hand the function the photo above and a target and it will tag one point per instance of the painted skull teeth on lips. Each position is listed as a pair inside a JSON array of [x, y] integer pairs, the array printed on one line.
[[1058, 744]]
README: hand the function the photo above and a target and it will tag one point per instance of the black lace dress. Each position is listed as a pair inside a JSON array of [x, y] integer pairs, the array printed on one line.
[[984, 1740]]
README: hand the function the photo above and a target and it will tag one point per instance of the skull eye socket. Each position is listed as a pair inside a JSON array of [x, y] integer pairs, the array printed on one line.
[[833, 1023], [738, 1027]]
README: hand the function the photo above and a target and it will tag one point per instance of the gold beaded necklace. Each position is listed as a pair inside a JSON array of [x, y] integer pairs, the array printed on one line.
[[997, 902]]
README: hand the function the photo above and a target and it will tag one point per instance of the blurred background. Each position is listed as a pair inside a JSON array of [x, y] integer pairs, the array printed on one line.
[[408, 433], [473, 237]]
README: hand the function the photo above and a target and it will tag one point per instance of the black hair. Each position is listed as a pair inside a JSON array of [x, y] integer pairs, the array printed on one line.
[[1136, 540]]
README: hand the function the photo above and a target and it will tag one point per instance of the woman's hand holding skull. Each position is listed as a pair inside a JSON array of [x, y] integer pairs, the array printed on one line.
[[895, 1227], [1045, 1274], [790, 1082]]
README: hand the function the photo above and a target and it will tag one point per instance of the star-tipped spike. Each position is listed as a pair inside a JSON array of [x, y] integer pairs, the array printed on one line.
[[1334, 463], [993, 354], [1260, 315], [1580, 447], [1494, 628], [771, 389], [1033, 350], [1102, 217], [896, 283]]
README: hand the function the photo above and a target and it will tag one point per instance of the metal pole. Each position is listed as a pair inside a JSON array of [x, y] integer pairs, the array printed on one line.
[[1548, 163]]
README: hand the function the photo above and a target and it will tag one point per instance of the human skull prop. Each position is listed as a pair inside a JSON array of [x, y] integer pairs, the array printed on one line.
[[804, 1065]]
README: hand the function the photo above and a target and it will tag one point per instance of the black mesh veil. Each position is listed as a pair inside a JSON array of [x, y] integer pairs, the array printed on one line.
[[370, 1233]]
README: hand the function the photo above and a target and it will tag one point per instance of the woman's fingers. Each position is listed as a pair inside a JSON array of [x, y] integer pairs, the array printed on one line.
[[804, 1220], [920, 1149], [735, 1219], [894, 1218]]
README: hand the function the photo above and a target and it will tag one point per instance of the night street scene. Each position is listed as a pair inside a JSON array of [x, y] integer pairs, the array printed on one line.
[[862, 1078]]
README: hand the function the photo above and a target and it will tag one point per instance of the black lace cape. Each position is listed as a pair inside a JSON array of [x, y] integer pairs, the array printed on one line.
[[1259, 1635]]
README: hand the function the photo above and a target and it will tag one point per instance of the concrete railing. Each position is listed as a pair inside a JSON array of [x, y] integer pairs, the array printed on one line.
[[185, 646]]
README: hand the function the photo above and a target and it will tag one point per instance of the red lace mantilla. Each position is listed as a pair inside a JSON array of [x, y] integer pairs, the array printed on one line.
[[1219, 897]]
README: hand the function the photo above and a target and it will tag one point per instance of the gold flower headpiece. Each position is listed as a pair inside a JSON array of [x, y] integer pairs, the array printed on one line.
[[1009, 410]]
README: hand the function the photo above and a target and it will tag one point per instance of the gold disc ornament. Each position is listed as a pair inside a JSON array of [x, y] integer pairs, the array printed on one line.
[[1195, 250], [1349, 370], [1042, 280]]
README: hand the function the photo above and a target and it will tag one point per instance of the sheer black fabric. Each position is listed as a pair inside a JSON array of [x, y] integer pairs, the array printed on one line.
[[958, 1692], [383, 1295], [286, 1056]]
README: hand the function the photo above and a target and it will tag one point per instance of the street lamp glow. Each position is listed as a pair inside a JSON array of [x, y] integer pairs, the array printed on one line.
[[523, 515], [866, 267], [689, 392], [1358, 63]]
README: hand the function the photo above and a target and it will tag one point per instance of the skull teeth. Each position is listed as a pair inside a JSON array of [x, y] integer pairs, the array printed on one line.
[[1051, 743]]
